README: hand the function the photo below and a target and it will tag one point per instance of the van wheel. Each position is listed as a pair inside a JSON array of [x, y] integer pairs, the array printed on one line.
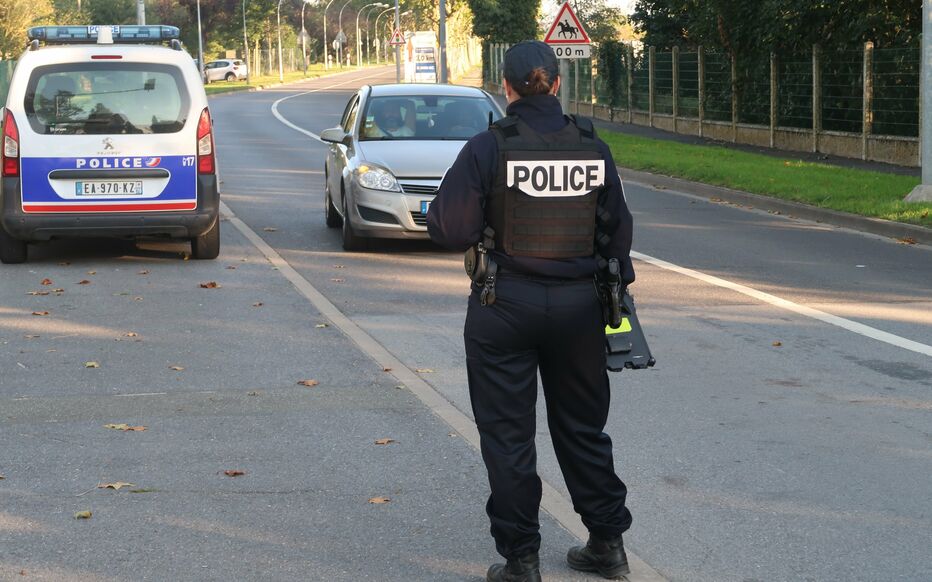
[[207, 246], [351, 240], [230, 77], [12, 250]]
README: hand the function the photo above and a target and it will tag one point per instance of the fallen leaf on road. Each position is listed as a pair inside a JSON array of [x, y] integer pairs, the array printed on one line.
[[2, 477], [231, 267], [253, 393], [777, 344], [86, 514], [91, 365], [338, 267], [92, 272], [308, 383], [84, 282], [131, 334], [118, 485], [58, 291], [259, 304], [234, 473], [40, 313], [906, 240], [143, 272], [137, 298], [321, 325], [379, 500], [32, 336], [125, 427], [176, 368], [338, 280], [424, 371], [210, 285], [46, 282], [270, 229], [384, 441], [38, 293], [386, 369]]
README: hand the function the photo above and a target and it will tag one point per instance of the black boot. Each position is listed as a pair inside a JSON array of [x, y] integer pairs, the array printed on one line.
[[523, 569], [605, 557]]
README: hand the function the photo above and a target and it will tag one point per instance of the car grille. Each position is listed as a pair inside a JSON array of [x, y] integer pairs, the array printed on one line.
[[419, 188], [419, 218]]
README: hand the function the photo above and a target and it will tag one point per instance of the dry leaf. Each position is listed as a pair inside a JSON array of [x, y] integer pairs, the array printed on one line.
[[176, 368], [308, 383], [131, 334], [58, 291], [338, 267], [137, 298], [38, 293], [322, 325], [906, 240], [253, 393], [32, 336], [231, 267], [338, 280], [84, 282], [125, 427], [210, 285], [270, 229], [92, 272], [379, 500], [143, 272], [234, 473], [777, 344], [2, 477], [424, 371], [40, 313], [259, 304], [91, 365], [46, 282], [118, 485], [384, 441], [386, 369], [86, 514]]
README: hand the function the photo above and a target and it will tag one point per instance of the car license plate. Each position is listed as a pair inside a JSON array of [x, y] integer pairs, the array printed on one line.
[[425, 204], [108, 188]]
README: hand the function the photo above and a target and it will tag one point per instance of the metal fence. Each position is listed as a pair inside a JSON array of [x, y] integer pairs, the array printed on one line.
[[861, 102]]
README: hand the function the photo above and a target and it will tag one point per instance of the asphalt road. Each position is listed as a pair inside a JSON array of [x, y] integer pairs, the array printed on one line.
[[785, 436]]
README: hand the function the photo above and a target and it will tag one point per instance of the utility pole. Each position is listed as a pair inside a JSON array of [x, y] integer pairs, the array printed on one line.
[[140, 11], [923, 192], [246, 45], [443, 42], [398, 48], [200, 41]]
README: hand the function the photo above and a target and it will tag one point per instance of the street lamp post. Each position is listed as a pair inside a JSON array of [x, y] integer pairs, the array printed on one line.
[[340, 22], [326, 49], [281, 67], [246, 45], [200, 41], [378, 39], [358, 39], [303, 37]]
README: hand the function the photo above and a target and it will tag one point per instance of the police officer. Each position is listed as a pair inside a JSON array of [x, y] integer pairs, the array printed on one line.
[[537, 204]]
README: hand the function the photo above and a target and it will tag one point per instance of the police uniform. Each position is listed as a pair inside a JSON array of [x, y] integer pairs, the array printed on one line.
[[548, 189]]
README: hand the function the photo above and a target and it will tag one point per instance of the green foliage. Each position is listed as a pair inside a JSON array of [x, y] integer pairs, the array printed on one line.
[[109, 11], [508, 22], [603, 22], [15, 17], [612, 72]]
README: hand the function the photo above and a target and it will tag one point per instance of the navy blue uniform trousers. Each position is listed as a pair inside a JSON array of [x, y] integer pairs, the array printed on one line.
[[556, 327]]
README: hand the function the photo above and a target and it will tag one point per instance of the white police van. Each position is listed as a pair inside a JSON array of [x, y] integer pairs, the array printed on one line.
[[107, 133]]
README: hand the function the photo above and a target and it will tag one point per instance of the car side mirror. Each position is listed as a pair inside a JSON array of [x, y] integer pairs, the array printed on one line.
[[335, 135]]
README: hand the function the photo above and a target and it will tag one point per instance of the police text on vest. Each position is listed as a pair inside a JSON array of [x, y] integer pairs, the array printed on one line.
[[556, 178]]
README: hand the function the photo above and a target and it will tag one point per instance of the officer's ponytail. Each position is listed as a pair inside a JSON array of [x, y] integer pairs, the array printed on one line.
[[537, 83]]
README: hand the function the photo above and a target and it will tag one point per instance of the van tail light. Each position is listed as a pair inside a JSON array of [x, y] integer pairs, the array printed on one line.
[[10, 152], [205, 145]]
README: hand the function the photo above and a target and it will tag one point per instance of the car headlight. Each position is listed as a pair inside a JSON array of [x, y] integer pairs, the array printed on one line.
[[376, 178]]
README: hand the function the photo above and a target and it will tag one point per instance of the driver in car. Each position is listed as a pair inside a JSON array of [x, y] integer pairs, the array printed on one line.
[[390, 122]]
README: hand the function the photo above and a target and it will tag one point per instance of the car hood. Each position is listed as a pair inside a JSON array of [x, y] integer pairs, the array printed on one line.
[[413, 159]]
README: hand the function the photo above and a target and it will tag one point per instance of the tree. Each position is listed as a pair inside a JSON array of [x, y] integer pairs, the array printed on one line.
[[17, 16]]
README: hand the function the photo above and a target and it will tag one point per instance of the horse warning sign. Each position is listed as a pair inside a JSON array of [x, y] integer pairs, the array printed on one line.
[[567, 35]]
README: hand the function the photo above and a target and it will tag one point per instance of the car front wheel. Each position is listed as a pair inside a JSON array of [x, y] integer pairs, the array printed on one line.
[[351, 240], [331, 216]]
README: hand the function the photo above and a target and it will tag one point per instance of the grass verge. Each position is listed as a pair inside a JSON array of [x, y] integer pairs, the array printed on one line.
[[863, 192], [313, 72]]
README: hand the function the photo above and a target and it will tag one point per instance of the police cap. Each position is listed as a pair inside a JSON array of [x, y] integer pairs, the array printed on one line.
[[522, 58]]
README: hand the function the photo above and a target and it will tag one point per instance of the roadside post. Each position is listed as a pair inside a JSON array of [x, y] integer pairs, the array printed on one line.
[[396, 41], [923, 192], [569, 41]]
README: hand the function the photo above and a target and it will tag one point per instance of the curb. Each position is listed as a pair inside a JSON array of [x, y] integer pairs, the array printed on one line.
[[877, 226]]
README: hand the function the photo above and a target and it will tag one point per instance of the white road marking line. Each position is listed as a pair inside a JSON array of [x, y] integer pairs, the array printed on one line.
[[311, 134], [853, 326], [552, 501], [144, 394]]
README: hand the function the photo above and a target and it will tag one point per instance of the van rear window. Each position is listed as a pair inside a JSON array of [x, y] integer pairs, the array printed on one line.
[[106, 98]]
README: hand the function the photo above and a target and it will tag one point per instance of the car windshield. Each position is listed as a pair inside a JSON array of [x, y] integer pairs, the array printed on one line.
[[425, 117], [105, 98]]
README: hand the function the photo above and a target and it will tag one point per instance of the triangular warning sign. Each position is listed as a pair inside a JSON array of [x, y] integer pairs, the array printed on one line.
[[397, 37], [566, 28]]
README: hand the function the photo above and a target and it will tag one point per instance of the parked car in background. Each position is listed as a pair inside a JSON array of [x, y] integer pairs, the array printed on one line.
[[390, 152], [225, 70]]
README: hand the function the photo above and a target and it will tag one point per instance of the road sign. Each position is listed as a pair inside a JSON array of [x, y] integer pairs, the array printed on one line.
[[566, 29], [341, 37], [572, 51], [397, 38]]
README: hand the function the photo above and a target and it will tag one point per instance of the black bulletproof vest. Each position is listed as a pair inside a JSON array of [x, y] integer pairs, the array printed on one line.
[[546, 188]]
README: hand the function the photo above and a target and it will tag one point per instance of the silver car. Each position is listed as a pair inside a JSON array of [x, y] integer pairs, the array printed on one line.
[[225, 69], [390, 152]]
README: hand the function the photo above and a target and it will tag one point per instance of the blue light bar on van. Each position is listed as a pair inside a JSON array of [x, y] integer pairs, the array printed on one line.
[[88, 34]]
